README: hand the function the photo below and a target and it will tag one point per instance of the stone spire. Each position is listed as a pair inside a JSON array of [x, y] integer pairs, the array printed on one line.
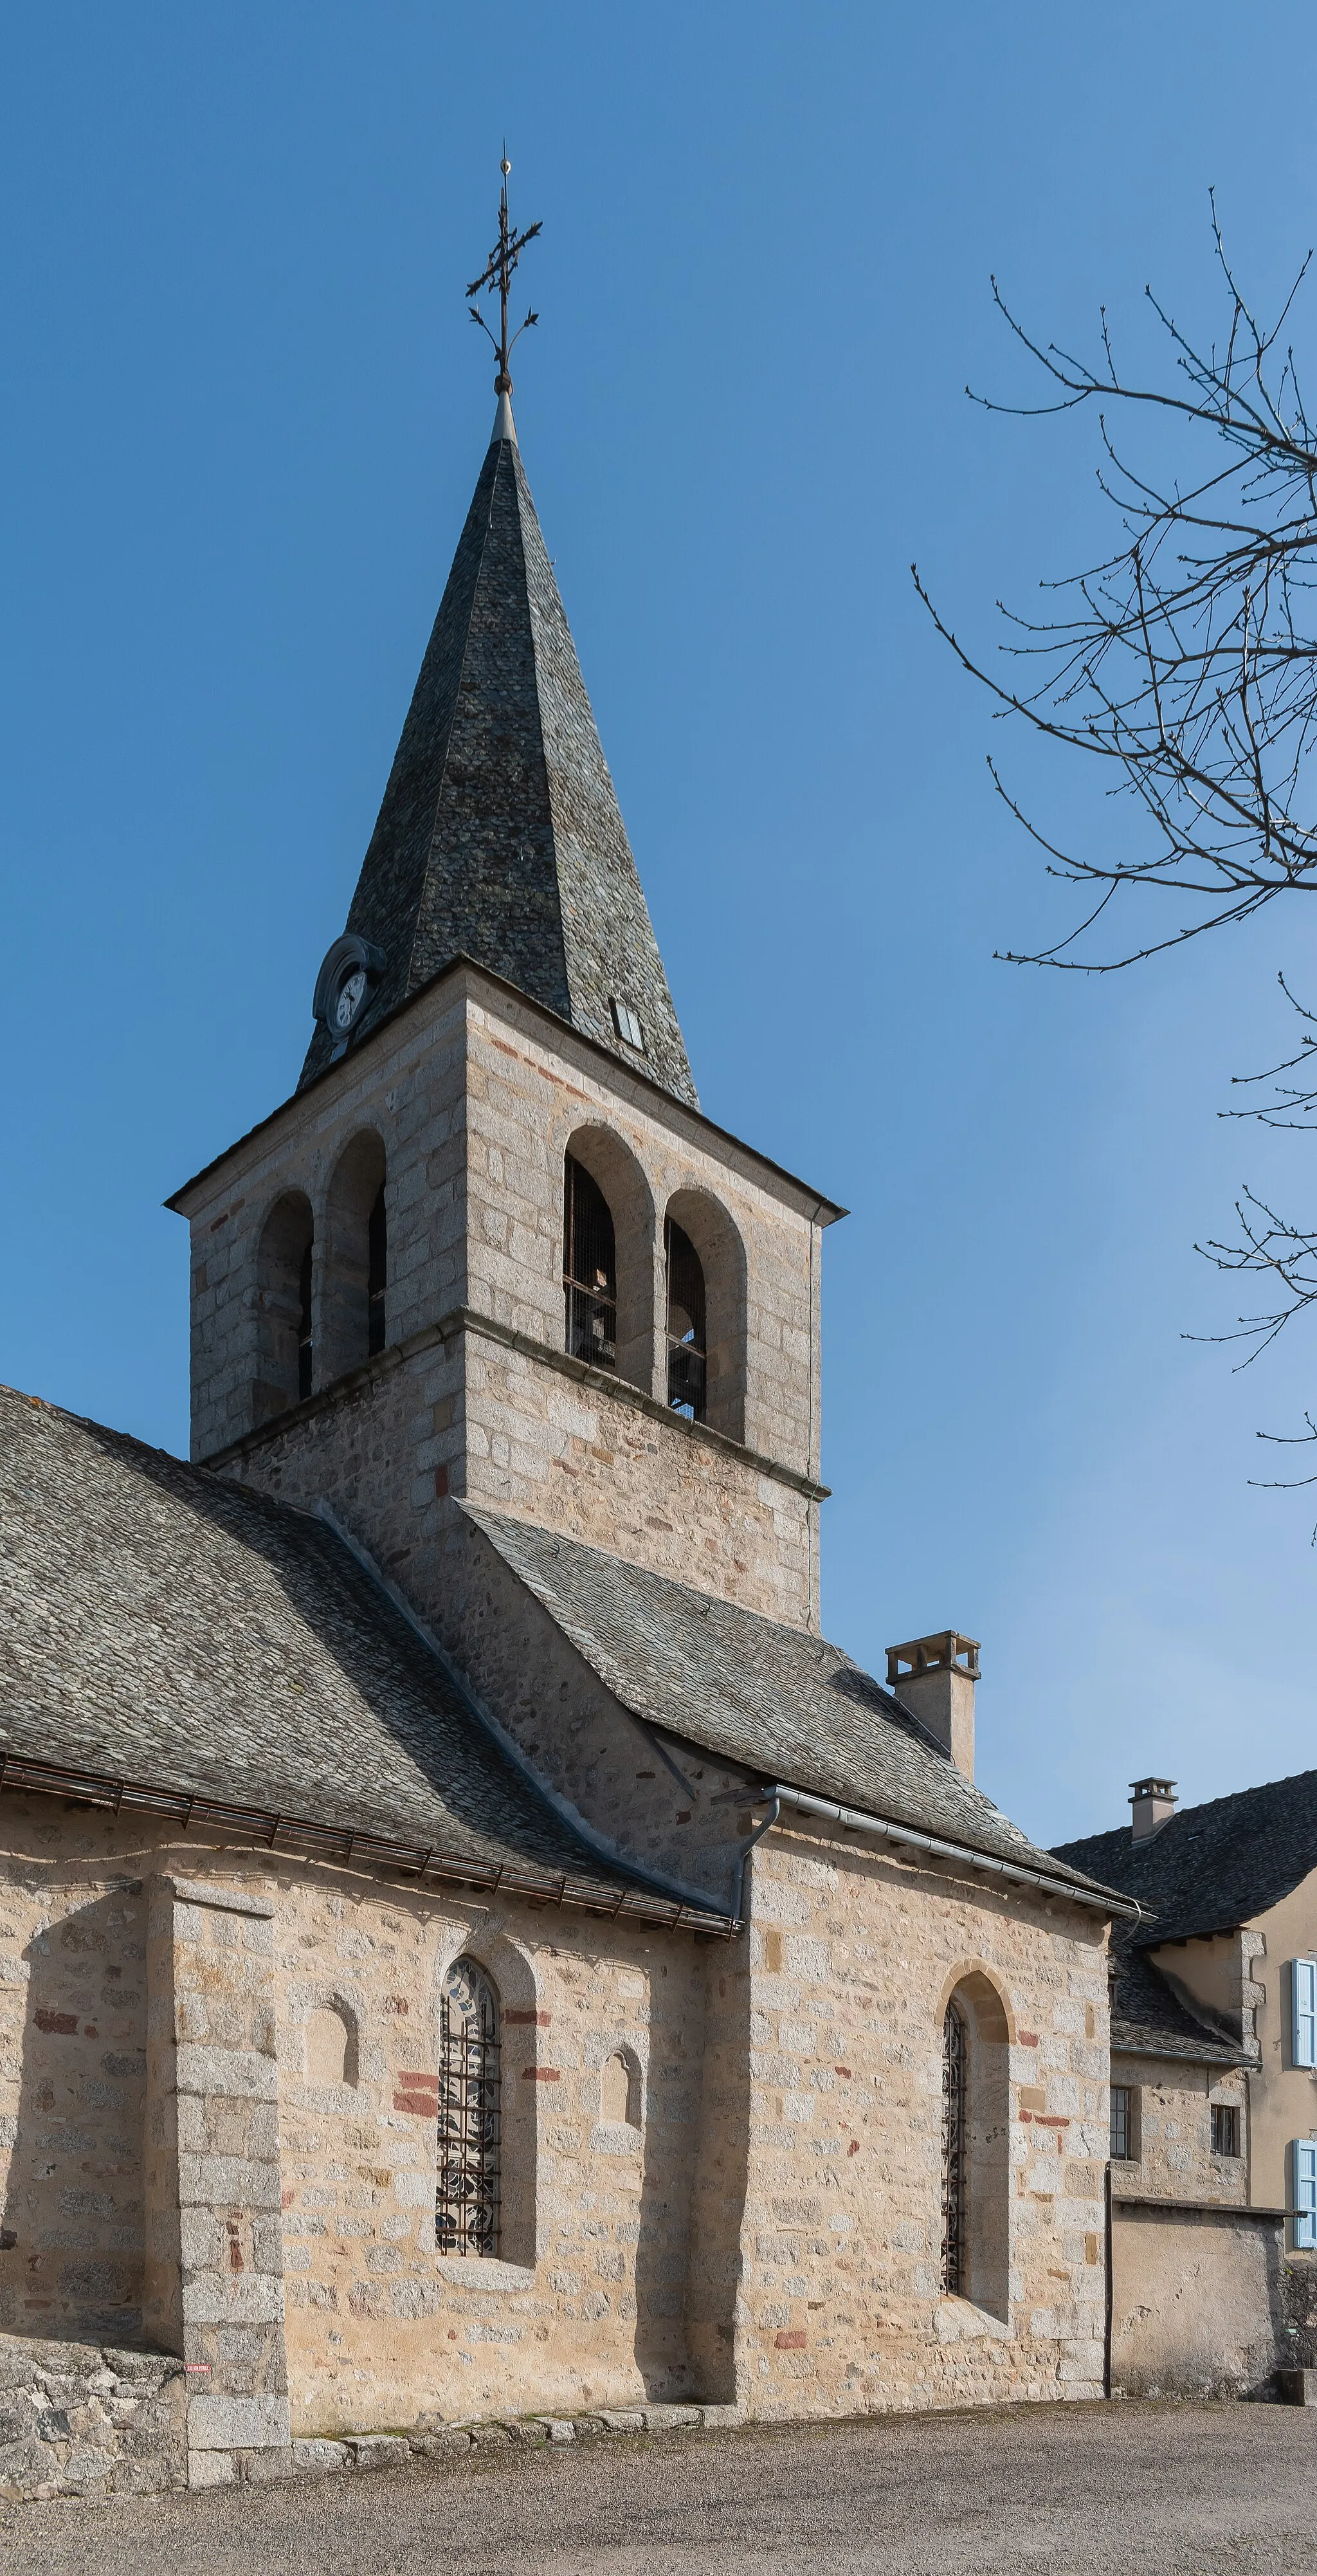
[[500, 837]]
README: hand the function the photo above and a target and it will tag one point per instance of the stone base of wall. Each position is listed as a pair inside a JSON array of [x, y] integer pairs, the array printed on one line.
[[81, 2419]]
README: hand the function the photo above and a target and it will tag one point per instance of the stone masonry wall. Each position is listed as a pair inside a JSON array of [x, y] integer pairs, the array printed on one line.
[[753, 2218], [587, 2306], [851, 1961], [475, 1110], [79, 2420], [214, 2254], [1173, 2131]]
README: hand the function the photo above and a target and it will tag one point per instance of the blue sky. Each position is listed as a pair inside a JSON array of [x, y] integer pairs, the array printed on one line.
[[244, 416]]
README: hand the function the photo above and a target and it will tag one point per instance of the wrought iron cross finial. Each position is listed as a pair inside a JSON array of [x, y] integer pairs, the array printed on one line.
[[497, 272]]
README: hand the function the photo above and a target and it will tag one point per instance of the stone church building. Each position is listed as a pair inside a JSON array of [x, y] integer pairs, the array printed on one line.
[[469, 1947]]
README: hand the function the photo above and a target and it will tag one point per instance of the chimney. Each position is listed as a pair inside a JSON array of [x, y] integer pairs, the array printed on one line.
[[937, 1686], [1153, 1805]]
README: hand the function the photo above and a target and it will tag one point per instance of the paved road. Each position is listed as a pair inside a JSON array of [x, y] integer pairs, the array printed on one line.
[[1082, 2491]]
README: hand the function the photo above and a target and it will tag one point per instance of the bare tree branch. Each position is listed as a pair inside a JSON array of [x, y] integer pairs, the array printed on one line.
[[1186, 659]]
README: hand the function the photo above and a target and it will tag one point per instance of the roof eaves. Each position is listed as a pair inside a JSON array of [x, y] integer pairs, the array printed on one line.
[[828, 1211], [988, 1864], [349, 1845]]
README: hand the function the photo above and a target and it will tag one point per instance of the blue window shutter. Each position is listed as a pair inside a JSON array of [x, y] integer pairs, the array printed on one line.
[[1304, 2154], [1303, 1986]]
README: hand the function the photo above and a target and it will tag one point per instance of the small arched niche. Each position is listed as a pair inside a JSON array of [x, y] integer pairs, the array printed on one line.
[[705, 1273], [355, 1307], [329, 2045], [620, 2091], [976, 2139], [285, 1359], [608, 1257]]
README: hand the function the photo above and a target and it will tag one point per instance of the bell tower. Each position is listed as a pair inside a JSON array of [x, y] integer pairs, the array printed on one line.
[[490, 1256]]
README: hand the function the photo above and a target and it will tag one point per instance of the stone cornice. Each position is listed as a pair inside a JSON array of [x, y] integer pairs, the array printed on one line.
[[465, 1319]]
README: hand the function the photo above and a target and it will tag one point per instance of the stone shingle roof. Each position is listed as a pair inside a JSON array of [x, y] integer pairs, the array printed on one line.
[[1147, 2016], [500, 837], [1207, 1870], [785, 1705], [1211, 1867], [159, 1625]]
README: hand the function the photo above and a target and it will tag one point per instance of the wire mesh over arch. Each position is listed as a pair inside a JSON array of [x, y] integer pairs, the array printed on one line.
[[470, 2126], [955, 2105]]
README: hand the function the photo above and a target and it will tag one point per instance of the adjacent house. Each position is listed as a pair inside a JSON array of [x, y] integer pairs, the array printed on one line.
[[1213, 2085]]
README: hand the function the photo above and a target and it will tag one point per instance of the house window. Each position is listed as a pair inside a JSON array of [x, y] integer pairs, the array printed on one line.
[[1225, 2129], [1123, 2147], [1303, 2011], [688, 1335], [955, 2088], [470, 2127], [627, 1025], [1303, 2194], [377, 1280], [589, 1274]]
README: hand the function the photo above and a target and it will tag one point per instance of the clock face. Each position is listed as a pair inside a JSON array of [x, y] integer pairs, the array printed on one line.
[[351, 994]]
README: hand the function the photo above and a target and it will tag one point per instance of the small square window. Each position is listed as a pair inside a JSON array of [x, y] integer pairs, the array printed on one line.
[[627, 1025], [1225, 2129], [1123, 2147]]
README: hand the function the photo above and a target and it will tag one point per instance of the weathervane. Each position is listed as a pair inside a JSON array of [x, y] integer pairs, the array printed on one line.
[[497, 272]]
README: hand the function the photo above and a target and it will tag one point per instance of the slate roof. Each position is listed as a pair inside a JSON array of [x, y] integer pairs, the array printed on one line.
[[785, 1705], [1148, 2016], [500, 837], [160, 1625], [1211, 1867], [1207, 1870]]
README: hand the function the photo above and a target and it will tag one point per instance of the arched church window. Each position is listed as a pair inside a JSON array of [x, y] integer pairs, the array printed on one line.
[[355, 1258], [955, 2113], [589, 1269], [377, 1281], [470, 2116], [305, 1345], [688, 1333], [285, 1356]]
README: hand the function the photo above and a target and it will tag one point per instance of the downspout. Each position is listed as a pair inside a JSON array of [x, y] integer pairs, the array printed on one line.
[[1106, 2324], [774, 1811]]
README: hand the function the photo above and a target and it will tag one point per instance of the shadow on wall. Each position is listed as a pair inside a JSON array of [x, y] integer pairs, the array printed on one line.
[[718, 2074], [72, 2228]]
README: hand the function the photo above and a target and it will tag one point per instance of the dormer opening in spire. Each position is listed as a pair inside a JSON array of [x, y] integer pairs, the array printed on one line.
[[500, 837]]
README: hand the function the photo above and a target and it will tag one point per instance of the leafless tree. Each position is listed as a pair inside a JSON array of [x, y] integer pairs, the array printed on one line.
[[1186, 661]]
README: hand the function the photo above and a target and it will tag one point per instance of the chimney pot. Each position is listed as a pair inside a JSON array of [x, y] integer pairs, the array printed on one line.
[[937, 1686], [1152, 1805]]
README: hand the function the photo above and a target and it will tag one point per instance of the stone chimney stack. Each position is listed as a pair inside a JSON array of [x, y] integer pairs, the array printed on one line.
[[1153, 1805], [937, 1686]]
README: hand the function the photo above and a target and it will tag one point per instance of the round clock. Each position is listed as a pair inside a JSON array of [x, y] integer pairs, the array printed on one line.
[[344, 985]]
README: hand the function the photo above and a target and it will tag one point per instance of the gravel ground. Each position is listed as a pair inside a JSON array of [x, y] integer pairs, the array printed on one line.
[[1065, 2491]]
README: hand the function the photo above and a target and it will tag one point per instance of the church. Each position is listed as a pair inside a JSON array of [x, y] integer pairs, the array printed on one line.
[[470, 1949]]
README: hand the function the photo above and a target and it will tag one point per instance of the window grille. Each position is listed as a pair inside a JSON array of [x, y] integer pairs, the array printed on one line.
[[305, 1353], [377, 1275], [688, 1341], [955, 2088], [1122, 2123], [1303, 1997], [1225, 2129], [467, 2198], [589, 1269]]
